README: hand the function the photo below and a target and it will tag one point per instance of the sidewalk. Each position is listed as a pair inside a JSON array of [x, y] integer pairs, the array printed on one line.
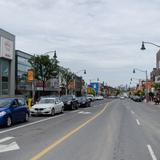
[[152, 103]]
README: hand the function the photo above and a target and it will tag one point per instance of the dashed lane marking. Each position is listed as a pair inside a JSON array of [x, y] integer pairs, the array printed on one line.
[[151, 152], [138, 122]]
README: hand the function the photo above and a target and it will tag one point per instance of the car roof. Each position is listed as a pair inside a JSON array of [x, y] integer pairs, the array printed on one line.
[[8, 98], [49, 97]]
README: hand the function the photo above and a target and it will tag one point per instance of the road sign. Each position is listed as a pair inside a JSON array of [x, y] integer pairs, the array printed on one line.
[[30, 75]]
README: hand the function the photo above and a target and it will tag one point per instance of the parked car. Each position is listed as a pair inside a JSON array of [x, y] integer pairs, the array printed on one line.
[[137, 98], [70, 102], [13, 110], [99, 97], [84, 101], [47, 106], [90, 97]]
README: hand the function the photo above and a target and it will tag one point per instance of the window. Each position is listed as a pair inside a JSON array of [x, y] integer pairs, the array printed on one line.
[[4, 77]]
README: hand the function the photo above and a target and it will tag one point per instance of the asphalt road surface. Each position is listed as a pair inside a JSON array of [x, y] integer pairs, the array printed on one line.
[[109, 130]]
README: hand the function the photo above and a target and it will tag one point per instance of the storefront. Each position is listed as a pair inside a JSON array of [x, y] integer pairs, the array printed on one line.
[[7, 64]]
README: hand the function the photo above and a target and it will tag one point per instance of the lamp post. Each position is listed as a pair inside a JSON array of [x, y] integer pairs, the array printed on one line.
[[143, 46], [84, 71], [144, 71]]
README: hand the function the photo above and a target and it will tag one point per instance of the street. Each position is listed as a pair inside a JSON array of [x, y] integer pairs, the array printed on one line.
[[110, 129]]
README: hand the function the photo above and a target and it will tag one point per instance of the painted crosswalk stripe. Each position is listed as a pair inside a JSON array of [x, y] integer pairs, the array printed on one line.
[[5, 139]]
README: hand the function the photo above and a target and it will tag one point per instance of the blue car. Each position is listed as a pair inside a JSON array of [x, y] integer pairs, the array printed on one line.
[[13, 110]]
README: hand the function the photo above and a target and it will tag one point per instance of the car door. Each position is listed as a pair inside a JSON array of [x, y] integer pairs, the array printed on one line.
[[16, 111], [58, 105]]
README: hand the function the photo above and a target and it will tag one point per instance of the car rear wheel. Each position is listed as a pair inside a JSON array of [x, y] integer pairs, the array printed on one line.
[[52, 112], [9, 122]]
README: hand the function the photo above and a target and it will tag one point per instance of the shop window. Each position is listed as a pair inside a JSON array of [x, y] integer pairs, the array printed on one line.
[[4, 77]]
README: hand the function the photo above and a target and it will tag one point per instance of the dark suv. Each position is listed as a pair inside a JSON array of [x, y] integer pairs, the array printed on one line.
[[70, 102]]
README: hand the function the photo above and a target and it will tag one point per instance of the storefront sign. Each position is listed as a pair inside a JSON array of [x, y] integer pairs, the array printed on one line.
[[30, 75], [6, 49]]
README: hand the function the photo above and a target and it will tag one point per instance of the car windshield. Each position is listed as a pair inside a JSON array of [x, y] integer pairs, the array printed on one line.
[[66, 98], [4, 103], [47, 100], [21, 101]]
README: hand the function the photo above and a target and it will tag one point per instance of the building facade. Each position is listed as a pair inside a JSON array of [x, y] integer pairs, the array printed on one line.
[[156, 71], [7, 64], [23, 86]]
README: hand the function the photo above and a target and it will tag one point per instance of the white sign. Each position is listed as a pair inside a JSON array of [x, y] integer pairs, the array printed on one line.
[[157, 79], [6, 49]]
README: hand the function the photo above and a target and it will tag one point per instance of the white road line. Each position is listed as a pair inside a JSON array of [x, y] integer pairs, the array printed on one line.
[[74, 111], [138, 122], [151, 152], [132, 112], [30, 124], [5, 139]]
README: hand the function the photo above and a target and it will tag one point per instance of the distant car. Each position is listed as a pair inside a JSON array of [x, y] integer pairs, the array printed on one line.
[[70, 102], [99, 97], [13, 110], [90, 97], [47, 106], [137, 98], [122, 97], [84, 102]]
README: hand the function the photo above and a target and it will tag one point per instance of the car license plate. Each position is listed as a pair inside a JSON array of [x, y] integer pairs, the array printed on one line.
[[38, 112]]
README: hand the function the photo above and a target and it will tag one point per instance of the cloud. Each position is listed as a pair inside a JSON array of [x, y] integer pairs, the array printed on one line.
[[104, 36]]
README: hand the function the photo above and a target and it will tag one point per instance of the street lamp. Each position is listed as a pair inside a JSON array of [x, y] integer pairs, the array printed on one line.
[[144, 71], [143, 46], [84, 71]]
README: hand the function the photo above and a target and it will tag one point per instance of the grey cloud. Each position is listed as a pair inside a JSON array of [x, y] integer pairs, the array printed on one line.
[[104, 36]]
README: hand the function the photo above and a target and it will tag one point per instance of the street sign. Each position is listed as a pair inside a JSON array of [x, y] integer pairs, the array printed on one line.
[[30, 75]]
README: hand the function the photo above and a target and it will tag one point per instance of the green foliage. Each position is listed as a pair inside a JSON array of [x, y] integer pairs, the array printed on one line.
[[139, 93], [67, 75], [44, 67], [156, 86]]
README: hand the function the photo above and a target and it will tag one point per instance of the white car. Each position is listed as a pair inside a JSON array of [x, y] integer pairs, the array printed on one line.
[[47, 106], [99, 97]]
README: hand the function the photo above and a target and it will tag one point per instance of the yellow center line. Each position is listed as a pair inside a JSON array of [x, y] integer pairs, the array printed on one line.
[[56, 143]]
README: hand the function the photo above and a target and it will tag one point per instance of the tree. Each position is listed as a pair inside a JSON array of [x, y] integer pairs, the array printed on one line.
[[44, 67], [66, 76]]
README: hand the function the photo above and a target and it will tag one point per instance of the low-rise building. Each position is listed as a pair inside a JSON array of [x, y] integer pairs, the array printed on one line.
[[7, 64]]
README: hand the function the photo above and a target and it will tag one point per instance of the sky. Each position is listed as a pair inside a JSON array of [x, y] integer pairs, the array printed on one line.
[[102, 36]]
